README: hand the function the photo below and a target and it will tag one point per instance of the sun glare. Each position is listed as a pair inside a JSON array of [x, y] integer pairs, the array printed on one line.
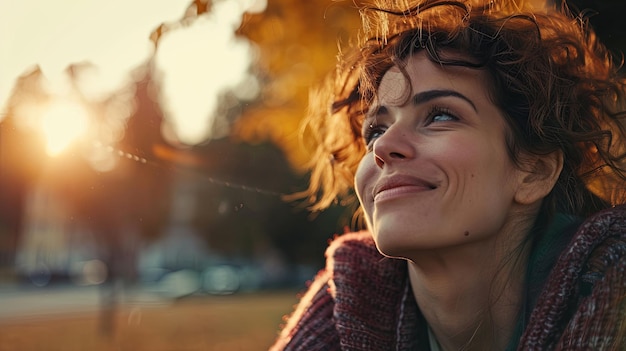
[[111, 35], [104, 42], [62, 124]]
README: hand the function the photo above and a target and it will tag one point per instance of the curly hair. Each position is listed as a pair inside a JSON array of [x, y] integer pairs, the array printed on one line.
[[557, 86]]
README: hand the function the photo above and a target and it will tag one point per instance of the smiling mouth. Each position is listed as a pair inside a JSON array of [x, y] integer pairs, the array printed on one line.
[[400, 191]]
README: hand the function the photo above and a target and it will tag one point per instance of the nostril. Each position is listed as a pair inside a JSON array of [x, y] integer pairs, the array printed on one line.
[[379, 161]]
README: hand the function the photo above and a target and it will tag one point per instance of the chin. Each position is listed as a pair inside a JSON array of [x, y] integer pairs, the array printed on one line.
[[393, 245]]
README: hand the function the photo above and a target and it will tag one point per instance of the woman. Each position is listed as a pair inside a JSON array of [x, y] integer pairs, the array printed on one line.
[[485, 147]]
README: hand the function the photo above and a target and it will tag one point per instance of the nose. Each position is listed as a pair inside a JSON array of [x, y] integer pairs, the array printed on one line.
[[393, 146]]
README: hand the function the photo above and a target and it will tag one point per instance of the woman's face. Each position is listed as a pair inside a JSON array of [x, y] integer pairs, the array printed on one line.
[[437, 173]]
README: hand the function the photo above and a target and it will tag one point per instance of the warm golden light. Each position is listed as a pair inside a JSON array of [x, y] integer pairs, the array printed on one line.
[[105, 41], [63, 123]]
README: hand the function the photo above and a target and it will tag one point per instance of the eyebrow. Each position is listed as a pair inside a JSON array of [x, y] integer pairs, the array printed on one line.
[[428, 95], [423, 97]]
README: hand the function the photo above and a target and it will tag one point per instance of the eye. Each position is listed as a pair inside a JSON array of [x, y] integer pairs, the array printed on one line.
[[371, 133], [440, 114]]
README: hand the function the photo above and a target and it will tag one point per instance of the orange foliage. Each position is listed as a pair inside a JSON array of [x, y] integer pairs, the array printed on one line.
[[297, 43]]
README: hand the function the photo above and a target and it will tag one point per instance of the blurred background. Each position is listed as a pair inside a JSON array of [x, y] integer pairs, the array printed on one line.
[[146, 149]]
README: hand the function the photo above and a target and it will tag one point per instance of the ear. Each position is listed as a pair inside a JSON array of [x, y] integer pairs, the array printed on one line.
[[541, 176]]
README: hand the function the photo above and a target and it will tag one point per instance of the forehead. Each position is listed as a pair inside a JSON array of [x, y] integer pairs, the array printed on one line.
[[418, 73]]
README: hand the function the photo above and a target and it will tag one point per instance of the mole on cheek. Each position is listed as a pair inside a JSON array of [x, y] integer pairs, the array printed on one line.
[[466, 233]]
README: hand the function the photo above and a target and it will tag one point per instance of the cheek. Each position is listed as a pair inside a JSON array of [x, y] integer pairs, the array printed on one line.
[[481, 176], [477, 175], [462, 162], [473, 156], [363, 179]]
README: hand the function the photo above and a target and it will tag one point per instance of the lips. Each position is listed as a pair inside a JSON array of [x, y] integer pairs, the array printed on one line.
[[398, 185]]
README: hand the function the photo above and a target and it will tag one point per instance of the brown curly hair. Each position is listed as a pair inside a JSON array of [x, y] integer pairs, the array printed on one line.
[[556, 84]]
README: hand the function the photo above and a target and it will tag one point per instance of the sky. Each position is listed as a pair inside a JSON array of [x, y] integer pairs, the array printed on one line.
[[113, 35]]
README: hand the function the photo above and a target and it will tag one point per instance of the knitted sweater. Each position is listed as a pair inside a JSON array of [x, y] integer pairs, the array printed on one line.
[[363, 300]]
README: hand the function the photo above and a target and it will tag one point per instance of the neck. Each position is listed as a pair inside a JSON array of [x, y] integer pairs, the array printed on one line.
[[471, 300]]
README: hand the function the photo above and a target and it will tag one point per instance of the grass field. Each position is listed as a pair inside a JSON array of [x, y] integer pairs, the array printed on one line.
[[243, 322]]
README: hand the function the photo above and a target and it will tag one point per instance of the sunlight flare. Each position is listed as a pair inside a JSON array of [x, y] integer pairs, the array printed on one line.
[[63, 123]]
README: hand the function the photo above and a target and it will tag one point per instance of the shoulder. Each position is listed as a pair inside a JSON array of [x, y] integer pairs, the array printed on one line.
[[602, 234], [356, 252], [349, 253], [609, 222], [601, 239], [356, 245], [594, 234], [600, 317], [355, 264], [582, 301], [598, 246]]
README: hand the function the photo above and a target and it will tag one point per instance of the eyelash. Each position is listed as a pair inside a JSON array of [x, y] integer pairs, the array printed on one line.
[[373, 129], [370, 132], [437, 111]]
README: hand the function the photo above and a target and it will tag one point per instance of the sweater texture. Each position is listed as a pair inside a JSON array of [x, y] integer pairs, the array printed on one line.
[[576, 295]]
